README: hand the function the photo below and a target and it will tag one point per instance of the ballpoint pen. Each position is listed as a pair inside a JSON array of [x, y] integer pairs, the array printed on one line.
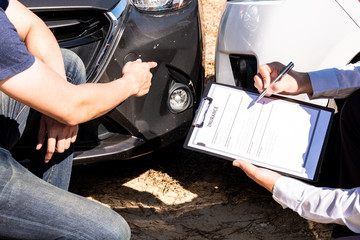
[[285, 71]]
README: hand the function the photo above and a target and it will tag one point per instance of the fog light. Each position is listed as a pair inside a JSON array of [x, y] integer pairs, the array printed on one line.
[[180, 99]]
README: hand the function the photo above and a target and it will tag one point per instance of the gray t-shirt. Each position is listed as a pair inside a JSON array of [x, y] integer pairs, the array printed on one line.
[[14, 57]]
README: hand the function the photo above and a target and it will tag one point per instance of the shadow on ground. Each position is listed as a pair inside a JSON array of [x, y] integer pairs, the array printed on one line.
[[179, 194]]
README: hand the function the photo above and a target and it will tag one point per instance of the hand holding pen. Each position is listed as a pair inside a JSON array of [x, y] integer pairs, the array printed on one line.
[[279, 77]]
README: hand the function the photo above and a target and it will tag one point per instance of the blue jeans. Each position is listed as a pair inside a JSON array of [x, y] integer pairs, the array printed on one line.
[[31, 208]]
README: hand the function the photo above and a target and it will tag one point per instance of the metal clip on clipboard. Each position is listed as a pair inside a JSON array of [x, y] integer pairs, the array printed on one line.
[[201, 112]]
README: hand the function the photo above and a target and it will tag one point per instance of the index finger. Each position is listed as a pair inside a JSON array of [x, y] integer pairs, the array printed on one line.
[[152, 64], [265, 73]]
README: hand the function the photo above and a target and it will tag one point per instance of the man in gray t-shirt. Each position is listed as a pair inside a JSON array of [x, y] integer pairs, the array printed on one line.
[[32, 74], [14, 56]]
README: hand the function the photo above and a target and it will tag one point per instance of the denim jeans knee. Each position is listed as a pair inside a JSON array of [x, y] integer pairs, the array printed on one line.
[[74, 67], [13, 120], [34, 209], [58, 171]]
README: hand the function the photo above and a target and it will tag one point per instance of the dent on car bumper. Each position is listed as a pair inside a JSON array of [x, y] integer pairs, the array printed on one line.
[[119, 34], [141, 125]]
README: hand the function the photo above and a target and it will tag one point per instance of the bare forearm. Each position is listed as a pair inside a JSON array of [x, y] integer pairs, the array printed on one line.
[[44, 90], [304, 83], [94, 100]]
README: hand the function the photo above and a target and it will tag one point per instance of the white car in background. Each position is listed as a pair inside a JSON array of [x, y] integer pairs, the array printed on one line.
[[313, 34]]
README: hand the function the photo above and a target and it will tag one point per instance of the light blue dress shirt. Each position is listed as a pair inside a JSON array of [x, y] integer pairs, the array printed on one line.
[[325, 205]]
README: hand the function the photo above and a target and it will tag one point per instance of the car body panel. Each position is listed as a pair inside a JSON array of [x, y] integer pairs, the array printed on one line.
[[104, 5], [352, 8], [106, 35], [312, 34]]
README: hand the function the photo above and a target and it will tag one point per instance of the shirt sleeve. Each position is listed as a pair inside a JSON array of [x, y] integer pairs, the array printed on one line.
[[4, 4], [14, 57], [335, 82], [324, 205]]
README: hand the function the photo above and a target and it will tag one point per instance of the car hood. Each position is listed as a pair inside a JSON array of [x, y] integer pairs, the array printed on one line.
[[70, 4]]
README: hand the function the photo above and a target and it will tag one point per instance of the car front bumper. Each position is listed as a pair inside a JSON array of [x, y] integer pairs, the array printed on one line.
[[118, 33]]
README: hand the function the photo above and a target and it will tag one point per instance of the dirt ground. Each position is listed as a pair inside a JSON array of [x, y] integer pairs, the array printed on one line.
[[179, 194]]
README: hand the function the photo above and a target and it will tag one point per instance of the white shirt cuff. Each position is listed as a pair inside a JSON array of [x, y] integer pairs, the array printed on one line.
[[324, 83], [288, 192]]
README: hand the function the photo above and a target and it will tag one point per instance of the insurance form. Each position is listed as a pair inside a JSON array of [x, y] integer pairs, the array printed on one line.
[[277, 133]]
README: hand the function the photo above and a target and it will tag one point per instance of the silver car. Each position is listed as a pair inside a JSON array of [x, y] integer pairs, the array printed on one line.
[[313, 34]]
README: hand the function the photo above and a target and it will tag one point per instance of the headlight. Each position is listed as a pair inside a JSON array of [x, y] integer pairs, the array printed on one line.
[[159, 5]]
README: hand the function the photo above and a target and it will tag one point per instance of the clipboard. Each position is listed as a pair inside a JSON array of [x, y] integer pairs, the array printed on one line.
[[282, 134]]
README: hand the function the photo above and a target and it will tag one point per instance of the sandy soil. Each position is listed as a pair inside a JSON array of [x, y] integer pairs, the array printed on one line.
[[178, 194]]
